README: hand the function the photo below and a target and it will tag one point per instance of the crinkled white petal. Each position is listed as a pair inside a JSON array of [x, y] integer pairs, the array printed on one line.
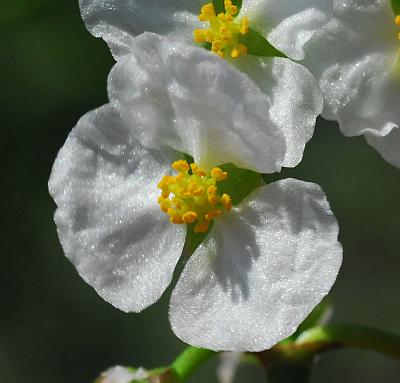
[[295, 98], [119, 374], [288, 24], [189, 99], [109, 223], [261, 271], [355, 60], [388, 146], [119, 21]]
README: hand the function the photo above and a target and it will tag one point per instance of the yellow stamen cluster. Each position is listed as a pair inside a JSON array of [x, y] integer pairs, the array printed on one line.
[[397, 22], [190, 198], [224, 31]]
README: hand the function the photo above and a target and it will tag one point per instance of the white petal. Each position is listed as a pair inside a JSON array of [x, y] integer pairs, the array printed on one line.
[[355, 61], [119, 374], [295, 97], [388, 146], [288, 24], [119, 21], [109, 224], [262, 270], [189, 99]]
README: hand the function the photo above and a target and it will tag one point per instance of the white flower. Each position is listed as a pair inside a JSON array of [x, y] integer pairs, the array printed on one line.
[[119, 374], [355, 58], [288, 25], [265, 263]]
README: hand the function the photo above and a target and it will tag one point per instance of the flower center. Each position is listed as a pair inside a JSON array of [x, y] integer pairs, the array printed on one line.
[[397, 22], [224, 32], [190, 198]]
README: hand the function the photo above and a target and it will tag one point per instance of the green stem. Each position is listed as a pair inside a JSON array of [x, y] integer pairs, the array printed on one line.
[[324, 338], [190, 359], [289, 362]]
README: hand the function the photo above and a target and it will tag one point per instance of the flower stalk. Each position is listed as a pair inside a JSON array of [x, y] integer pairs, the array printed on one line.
[[331, 337], [190, 360]]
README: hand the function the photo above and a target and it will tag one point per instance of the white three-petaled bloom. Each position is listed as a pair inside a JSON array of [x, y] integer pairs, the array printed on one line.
[[355, 58], [265, 263], [295, 98], [119, 374]]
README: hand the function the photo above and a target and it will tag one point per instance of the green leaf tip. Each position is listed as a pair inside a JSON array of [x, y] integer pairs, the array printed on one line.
[[258, 45], [219, 6], [240, 182], [396, 7]]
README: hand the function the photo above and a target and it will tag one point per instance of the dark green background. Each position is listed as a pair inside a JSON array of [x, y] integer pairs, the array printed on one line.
[[53, 327]]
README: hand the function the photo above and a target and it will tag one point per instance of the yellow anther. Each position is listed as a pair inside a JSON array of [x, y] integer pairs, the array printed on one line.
[[165, 181], [216, 46], [198, 171], [229, 7], [212, 214], [240, 50], [207, 12], [200, 35], [193, 197], [201, 227], [189, 217], [177, 202], [226, 201], [209, 36], [212, 195], [208, 9], [244, 26], [192, 186], [176, 219], [225, 17], [224, 32], [178, 177], [164, 203], [235, 53], [218, 174], [397, 20], [180, 166], [213, 199]]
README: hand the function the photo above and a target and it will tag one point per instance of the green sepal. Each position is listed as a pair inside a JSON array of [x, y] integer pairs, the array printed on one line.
[[207, 46], [219, 6], [258, 45], [238, 3], [188, 158], [238, 185], [396, 7], [240, 182]]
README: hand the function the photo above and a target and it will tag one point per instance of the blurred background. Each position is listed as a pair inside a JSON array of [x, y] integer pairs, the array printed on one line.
[[54, 327]]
